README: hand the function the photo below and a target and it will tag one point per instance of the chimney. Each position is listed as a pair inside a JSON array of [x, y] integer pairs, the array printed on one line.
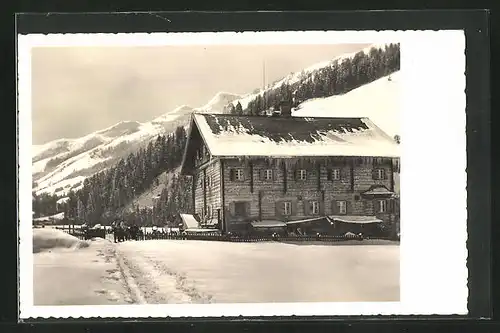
[[285, 108]]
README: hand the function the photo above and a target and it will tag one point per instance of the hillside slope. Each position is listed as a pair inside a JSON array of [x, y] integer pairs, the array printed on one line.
[[147, 199], [302, 76]]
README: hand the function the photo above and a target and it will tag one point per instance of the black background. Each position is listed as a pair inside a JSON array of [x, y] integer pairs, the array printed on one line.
[[480, 230]]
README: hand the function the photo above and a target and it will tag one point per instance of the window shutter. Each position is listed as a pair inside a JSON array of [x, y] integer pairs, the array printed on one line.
[[374, 173], [279, 209], [232, 209], [232, 173], [261, 174], [348, 208], [343, 173], [321, 208], [329, 174], [296, 174], [385, 173], [376, 207], [335, 209], [273, 174], [294, 208], [306, 204]]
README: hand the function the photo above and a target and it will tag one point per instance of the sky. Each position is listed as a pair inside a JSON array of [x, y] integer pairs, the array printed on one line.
[[79, 90]]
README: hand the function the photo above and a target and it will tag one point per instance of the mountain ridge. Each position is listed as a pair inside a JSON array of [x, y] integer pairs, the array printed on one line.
[[63, 164]]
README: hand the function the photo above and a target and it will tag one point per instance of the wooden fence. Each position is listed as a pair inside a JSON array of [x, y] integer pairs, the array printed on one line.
[[83, 234], [260, 238], [210, 236]]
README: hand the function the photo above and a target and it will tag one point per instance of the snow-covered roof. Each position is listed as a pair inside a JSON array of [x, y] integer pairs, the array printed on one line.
[[354, 219], [189, 221], [287, 137]]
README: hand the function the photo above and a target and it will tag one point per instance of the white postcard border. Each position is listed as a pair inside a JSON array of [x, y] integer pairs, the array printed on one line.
[[433, 177]]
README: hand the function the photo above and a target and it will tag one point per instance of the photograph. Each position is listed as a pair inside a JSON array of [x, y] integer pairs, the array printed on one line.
[[216, 173], [226, 202]]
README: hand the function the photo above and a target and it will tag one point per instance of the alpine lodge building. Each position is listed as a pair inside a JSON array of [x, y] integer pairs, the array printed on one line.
[[294, 174]]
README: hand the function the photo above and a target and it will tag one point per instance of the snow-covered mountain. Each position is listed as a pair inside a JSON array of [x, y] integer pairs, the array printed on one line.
[[61, 165]]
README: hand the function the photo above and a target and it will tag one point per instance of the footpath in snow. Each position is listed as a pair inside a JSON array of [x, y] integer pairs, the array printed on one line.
[[171, 271]]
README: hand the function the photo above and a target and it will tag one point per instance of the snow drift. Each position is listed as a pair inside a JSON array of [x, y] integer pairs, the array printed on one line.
[[48, 238]]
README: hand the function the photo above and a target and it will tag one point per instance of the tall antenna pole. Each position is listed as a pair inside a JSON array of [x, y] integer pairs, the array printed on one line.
[[264, 84], [263, 74]]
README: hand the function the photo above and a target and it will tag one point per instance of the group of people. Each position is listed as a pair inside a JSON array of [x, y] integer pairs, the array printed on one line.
[[122, 232]]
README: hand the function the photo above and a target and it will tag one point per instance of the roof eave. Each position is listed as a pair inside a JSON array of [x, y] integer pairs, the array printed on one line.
[[184, 155], [202, 134]]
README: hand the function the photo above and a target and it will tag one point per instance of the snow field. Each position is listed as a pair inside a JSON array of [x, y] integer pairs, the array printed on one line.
[[206, 272], [168, 271]]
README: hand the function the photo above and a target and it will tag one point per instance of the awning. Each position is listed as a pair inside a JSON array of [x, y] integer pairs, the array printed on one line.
[[268, 224], [378, 191], [201, 230], [354, 219], [305, 220]]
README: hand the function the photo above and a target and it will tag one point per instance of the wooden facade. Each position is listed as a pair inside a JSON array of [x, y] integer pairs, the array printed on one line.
[[236, 191]]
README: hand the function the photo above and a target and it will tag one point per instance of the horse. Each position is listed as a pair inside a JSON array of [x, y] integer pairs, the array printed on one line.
[[134, 232]]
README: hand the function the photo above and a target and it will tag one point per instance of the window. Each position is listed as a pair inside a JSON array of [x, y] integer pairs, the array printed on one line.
[[379, 174], [302, 174], [240, 208], [268, 174], [342, 207], [334, 174], [237, 174], [209, 211], [382, 206], [287, 208], [314, 207]]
